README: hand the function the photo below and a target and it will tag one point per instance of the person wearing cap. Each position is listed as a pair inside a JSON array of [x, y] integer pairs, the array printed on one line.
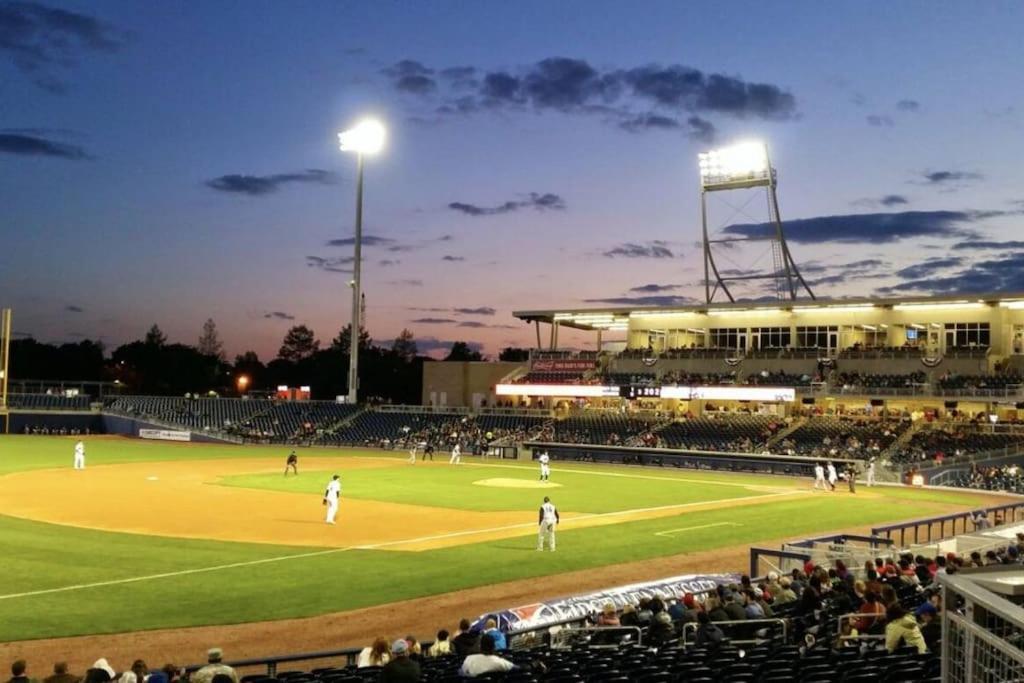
[[485, 661], [331, 496], [608, 616], [931, 626], [401, 668], [102, 671], [215, 665]]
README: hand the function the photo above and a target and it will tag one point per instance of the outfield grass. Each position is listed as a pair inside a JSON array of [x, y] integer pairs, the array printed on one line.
[[40, 556]]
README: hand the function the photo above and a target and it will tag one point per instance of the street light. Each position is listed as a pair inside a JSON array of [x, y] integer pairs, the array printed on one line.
[[366, 138], [243, 383]]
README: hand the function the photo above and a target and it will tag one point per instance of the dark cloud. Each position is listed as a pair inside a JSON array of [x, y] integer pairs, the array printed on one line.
[[873, 227], [534, 200], [879, 121], [278, 315], [384, 263], [929, 267], [653, 288], [428, 309], [982, 245], [643, 300], [472, 323], [461, 77], [39, 40], [482, 310], [255, 186], [700, 129], [449, 257], [893, 200], [908, 105], [642, 122], [71, 308], [412, 77], [434, 321], [366, 241], [1004, 274], [341, 264], [944, 177], [684, 88], [406, 283], [655, 249], [31, 145]]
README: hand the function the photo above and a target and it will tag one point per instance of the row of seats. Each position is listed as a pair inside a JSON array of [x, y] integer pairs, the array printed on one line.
[[48, 402]]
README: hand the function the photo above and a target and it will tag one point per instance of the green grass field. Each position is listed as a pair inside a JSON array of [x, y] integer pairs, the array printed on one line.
[[61, 581]]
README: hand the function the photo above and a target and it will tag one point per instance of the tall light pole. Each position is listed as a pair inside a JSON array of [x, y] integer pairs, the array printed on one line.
[[366, 138]]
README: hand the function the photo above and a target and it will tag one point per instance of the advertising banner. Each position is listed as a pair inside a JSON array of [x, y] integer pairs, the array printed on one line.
[[165, 435], [563, 365]]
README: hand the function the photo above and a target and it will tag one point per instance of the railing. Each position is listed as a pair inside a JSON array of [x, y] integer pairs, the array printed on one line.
[[878, 619], [514, 412], [982, 632], [1001, 514], [423, 410], [596, 637], [861, 390], [348, 654], [749, 631], [1011, 390]]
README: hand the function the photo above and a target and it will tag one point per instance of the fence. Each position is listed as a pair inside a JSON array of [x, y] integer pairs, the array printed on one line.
[[746, 632], [982, 632], [794, 555], [1001, 514]]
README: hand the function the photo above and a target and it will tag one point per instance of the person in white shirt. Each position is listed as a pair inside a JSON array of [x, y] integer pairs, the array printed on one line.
[[871, 472], [80, 456], [547, 520], [331, 497], [456, 458], [486, 661], [833, 476], [819, 477], [545, 468]]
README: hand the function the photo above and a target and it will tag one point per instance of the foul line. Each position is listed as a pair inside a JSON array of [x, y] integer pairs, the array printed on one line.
[[376, 546], [625, 475], [670, 532]]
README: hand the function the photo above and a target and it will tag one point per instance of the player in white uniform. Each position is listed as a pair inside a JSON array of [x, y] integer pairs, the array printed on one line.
[[545, 469], [819, 477], [871, 472], [456, 458], [412, 453], [833, 476], [331, 497], [547, 520], [80, 456]]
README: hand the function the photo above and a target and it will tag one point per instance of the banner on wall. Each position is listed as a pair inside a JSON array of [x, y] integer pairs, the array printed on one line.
[[165, 435], [563, 365]]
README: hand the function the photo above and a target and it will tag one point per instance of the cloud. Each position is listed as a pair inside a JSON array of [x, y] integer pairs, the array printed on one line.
[[71, 308], [31, 145], [449, 257], [432, 344], [981, 245], [278, 315], [482, 310], [472, 323], [406, 283], [873, 227], [331, 265], [886, 200], [665, 300], [654, 288], [535, 200], [38, 40], [1004, 274], [944, 177], [648, 97], [384, 263], [366, 241], [908, 105], [655, 249], [255, 186], [879, 121], [434, 321], [929, 267]]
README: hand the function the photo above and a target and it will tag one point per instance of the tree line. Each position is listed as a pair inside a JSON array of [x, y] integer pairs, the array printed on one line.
[[154, 366]]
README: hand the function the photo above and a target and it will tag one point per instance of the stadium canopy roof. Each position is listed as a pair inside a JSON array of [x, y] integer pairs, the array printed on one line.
[[601, 318]]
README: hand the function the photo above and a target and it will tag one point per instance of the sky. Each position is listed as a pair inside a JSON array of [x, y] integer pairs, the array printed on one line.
[[172, 162]]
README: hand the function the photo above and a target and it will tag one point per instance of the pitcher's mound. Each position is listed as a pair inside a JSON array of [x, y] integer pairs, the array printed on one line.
[[504, 483]]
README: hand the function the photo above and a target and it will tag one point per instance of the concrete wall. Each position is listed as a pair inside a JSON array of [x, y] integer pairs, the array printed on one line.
[[463, 384]]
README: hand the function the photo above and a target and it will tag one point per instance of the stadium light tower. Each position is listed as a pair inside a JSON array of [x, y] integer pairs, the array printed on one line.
[[739, 167], [367, 138]]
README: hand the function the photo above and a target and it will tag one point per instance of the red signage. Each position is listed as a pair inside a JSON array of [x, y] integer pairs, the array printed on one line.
[[564, 365]]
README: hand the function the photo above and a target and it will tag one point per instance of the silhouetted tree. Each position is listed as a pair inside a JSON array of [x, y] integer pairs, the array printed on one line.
[[404, 346], [155, 336], [299, 343], [342, 341], [462, 351], [209, 341], [514, 355]]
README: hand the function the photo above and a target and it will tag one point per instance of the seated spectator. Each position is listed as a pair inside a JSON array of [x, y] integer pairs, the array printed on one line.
[[137, 674], [377, 654], [18, 672], [733, 607], [709, 635], [608, 616], [485, 661], [401, 668], [61, 675], [214, 657], [931, 626], [644, 614], [442, 645], [751, 606], [661, 631], [873, 607], [785, 592], [414, 651], [466, 642], [628, 617], [714, 610], [902, 629], [491, 629]]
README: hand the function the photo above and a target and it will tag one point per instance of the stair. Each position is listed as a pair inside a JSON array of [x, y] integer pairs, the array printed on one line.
[[344, 422], [782, 434]]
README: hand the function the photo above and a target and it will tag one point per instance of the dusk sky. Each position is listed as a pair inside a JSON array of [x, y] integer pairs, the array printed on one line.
[[170, 162]]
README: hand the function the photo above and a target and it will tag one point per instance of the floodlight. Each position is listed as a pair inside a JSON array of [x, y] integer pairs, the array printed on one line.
[[366, 138], [741, 165]]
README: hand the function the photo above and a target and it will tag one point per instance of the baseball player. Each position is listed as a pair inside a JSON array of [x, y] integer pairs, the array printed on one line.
[[80, 456], [545, 468], [456, 458], [833, 476], [428, 451], [292, 463], [819, 477], [412, 453], [547, 520], [331, 497], [871, 472]]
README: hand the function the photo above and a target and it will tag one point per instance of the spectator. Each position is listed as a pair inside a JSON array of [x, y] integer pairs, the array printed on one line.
[[872, 607], [215, 665], [137, 674], [102, 668], [401, 668], [466, 642], [486, 661], [414, 651], [608, 616], [902, 628], [786, 593], [18, 672], [491, 629], [931, 627], [377, 654], [713, 607], [751, 606], [628, 617], [661, 631], [442, 645], [61, 675], [708, 634], [733, 608]]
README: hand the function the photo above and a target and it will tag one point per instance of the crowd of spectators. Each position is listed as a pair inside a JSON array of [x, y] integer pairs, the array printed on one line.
[[843, 437], [1008, 478], [852, 382], [939, 443]]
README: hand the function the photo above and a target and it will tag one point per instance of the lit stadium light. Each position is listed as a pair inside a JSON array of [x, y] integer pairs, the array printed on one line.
[[741, 165], [366, 138]]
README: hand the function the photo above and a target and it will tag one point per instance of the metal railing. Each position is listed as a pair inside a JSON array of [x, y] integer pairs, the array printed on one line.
[[1000, 514], [423, 410], [750, 631], [596, 637], [982, 633]]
